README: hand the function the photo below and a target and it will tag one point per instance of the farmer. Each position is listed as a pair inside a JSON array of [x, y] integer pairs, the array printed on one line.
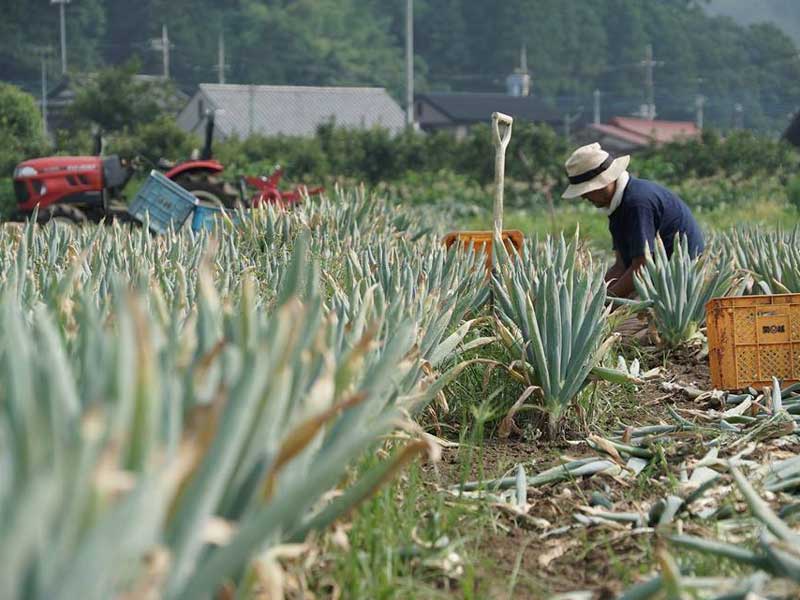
[[637, 210]]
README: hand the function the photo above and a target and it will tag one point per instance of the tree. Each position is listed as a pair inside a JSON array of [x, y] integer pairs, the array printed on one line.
[[116, 100], [461, 45], [20, 127], [27, 26]]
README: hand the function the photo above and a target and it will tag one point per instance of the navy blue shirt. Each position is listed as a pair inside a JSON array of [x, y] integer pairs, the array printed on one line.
[[648, 209]]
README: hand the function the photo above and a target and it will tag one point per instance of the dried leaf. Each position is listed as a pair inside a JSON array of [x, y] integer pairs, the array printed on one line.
[[507, 425]]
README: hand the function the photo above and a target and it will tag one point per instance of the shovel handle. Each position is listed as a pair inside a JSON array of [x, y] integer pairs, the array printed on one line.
[[501, 140]]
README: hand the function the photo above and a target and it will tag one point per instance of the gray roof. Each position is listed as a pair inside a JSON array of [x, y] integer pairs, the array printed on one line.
[[297, 110]]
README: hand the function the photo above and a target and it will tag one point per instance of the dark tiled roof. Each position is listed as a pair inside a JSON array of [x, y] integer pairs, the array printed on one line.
[[472, 108]]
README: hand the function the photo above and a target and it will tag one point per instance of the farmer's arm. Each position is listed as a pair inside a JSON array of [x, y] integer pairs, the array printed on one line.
[[623, 287], [617, 270]]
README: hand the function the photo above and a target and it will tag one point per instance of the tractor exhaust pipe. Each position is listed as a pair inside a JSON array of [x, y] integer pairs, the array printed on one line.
[[98, 142], [207, 154]]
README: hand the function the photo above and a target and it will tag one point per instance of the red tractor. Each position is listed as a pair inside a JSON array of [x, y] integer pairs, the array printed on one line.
[[89, 188]]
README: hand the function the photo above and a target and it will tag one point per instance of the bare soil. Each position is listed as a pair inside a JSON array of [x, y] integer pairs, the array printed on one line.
[[603, 559], [543, 550]]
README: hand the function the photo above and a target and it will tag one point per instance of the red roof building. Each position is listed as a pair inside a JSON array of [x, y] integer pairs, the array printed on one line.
[[628, 134]]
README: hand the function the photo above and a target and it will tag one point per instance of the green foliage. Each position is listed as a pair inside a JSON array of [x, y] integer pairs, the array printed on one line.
[[793, 191], [743, 153], [330, 42], [115, 100], [679, 287], [729, 191], [52, 458], [770, 259], [21, 135], [462, 45], [19, 114], [442, 189], [374, 156], [20, 127], [552, 300], [154, 139], [202, 397], [706, 173], [24, 31], [136, 117], [76, 142], [7, 199]]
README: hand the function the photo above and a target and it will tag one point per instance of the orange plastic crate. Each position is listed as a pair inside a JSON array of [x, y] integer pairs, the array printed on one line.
[[752, 339], [513, 240]]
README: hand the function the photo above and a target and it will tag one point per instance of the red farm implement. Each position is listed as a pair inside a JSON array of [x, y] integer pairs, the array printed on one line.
[[268, 192]]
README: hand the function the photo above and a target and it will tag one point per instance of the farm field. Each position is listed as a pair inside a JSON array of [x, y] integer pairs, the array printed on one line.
[[253, 346], [324, 402]]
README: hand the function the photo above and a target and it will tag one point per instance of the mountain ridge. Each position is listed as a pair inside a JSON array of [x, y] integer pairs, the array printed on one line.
[[785, 14]]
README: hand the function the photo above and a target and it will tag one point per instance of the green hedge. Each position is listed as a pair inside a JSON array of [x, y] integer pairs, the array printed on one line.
[[374, 156]]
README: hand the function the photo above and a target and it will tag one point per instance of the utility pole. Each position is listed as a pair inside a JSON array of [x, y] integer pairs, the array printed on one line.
[[738, 121], [597, 107], [44, 52], [569, 120], [221, 57], [649, 83], [162, 45], [44, 95], [523, 70], [165, 50], [699, 103], [61, 5], [410, 63]]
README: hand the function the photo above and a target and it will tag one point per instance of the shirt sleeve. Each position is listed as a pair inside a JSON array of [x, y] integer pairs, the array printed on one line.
[[641, 231]]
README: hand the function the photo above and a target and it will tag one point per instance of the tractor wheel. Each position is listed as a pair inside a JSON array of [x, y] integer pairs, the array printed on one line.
[[210, 190], [62, 213]]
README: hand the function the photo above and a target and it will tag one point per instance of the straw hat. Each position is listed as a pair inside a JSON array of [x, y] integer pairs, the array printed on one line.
[[592, 168]]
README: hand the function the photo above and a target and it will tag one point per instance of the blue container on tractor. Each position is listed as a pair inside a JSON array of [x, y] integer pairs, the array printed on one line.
[[167, 203]]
